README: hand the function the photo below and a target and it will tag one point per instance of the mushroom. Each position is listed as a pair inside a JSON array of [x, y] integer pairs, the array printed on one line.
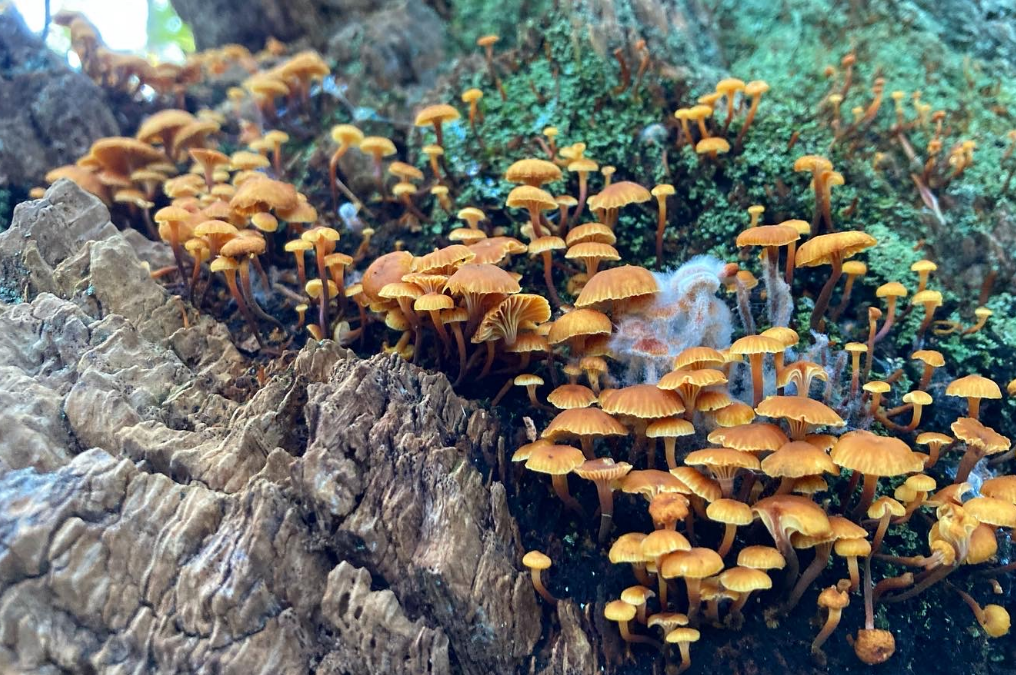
[[744, 581], [930, 300], [669, 429], [346, 136], [656, 546], [471, 97], [994, 619], [891, 291], [693, 565], [544, 247], [785, 514], [537, 562], [830, 249], [534, 200], [228, 267], [488, 42], [638, 597], [628, 550], [974, 388], [683, 637], [873, 457], [935, 442], [833, 599], [732, 514], [622, 612], [754, 91], [883, 509], [377, 147], [436, 116], [604, 473], [661, 192], [755, 347], [612, 198], [323, 240], [558, 461], [980, 441]]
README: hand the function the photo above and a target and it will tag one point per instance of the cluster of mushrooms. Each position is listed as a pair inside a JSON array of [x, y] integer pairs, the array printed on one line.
[[731, 454]]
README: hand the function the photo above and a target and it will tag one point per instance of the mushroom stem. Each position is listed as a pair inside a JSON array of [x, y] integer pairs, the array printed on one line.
[[628, 636], [534, 217], [967, 463], [560, 482], [831, 622], [867, 494], [583, 190], [757, 383], [931, 577], [855, 574], [685, 648], [728, 540], [874, 314], [752, 110], [489, 361], [791, 255], [811, 572], [251, 300], [174, 243], [540, 588], [827, 292], [670, 449], [905, 580], [694, 597], [606, 496], [662, 584], [319, 251], [744, 308], [889, 319], [230, 276], [661, 224], [435, 316], [548, 279]]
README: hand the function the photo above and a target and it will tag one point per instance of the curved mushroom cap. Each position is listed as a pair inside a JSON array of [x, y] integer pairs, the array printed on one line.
[[602, 469], [796, 460], [223, 264], [767, 235], [651, 482], [241, 246], [679, 635], [732, 415], [973, 386], [750, 437], [712, 144], [555, 460], [669, 427], [579, 322], [787, 336], [379, 146], [852, 548], [704, 377], [627, 549], [756, 88], [745, 580], [821, 250], [694, 357], [583, 422], [892, 289], [874, 646], [698, 483], [157, 124], [877, 387], [346, 134], [756, 344], [618, 283], [590, 232], [791, 513], [619, 610], [995, 620], [644, 401], [928, 298], [761, 558], [436, 114], [591, 250], [992, 511], [695, 563], [481, 279], [546, 245], [659, 543], [668, 507], [533, 172], [569, 396], [973, 433], [443, 258], [855, 268], [386, 269], [668, 621], [720, 459], [730, 512], [885, 505], [875, 455], [637, 595], [530, 197], [516, 312], [920, 483], [535, 560], [1000, 487], [800, 409], [813, 163], [833, 598], [495, 249], [405, 172], [929, 357], [918, 398], [618, 195], [264, 194]]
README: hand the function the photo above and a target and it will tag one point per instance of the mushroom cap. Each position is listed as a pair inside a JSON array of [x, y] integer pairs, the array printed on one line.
[[796, 460], [602, 469], [891, 289], [582, 165], [973, 386], [590, 232], [803, 227], [703, 377], [693, 357], [316, 235], [223, 264], [495, 249], [523, 453], [583, 422], [669, 427], [590, 250], [579, 322], [787, 336], [809, 485], [813, 163], [756, 88], [516, 312], [877, 387], [821, 250], [436, 114], [856, 348], [434, 302], [755, 437], [481, 279], [923, 266], [992, 511], [929, 357], [875, 455], [745, 580], [466, 235], [529, 197], [800, 409], [569, 396], [535, 560], [346, 134], [155, 126], [852, 548], [662, 190], [617, 283], [545, 245], [884, 505], [927, 297], [722, 458], [556, 460], [1000, 487], [668, 507], [767, 235], [698, 483], [627, 549], [833, 598], [637, 595], [385, 269], [659, 543], [667, 620], [730, 512], [855, 268], [920, 483], [619, 610], [756, 344], [695, 563], [918, 398], [405, 171], [731, 415], [679, 635], [792, 513], [996, 621], [713, 144], [525, 342], [618, 195], [264, 194], [240, 246], [975, 434], [443, 258], [874, 646], [171, 214], [644, 401], [801, 370], [471, 95], [761, 558], [533, 171], [651, 482], [379, 146], [215, 228]]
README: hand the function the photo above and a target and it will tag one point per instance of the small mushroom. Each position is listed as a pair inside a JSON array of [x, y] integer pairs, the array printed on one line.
[[537, 562]]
